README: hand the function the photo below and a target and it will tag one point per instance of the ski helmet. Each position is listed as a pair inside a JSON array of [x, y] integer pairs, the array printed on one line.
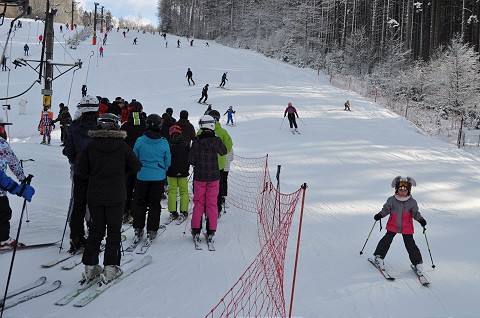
[[215, 114], [154, 122], [88, 104], [108, 122], [207, 122]]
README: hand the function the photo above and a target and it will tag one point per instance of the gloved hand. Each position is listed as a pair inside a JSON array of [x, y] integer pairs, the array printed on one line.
[[377, 216], [24, 190], [422, 222]]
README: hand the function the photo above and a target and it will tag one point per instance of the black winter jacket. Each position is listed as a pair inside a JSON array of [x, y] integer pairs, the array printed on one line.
[[104, 162], [78, 139], [179, 166]]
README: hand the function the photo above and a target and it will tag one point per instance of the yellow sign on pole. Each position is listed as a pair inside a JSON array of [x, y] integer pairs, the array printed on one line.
[[47, 100]]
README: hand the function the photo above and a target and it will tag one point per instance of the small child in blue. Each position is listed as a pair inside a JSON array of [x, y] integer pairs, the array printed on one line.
[[229, 114]]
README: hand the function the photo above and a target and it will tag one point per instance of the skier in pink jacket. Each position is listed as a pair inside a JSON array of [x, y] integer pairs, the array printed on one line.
[[402, 208]]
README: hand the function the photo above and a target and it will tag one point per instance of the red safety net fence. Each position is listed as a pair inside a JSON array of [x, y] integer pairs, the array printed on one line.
[[259, 292]]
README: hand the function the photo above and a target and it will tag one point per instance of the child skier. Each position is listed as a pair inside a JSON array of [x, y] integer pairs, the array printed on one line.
[[46, 125], [177, 174], [203, 156], [229, 114], [401, 207]]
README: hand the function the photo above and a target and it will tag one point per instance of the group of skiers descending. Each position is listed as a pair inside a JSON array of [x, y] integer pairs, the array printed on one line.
[[120, 169]]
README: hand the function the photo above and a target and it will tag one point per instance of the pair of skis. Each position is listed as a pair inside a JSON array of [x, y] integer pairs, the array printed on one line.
[[197, 241], [421, 278], [84, 285], [178, 220], [147, 242], [101, 288], [295, 131], [32, 290]]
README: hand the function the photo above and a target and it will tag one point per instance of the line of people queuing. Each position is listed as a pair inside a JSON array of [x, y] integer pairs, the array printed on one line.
[[121, 159]]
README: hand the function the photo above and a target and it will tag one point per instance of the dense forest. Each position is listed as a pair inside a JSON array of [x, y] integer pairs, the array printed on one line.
[[422, 56]]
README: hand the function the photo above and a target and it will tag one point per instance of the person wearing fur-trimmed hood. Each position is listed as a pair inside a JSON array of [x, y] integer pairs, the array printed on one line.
[[104, 162], [402, 209]]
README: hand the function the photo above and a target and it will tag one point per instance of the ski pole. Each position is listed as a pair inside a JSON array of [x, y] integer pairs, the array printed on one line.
[[21, 165], [69, 212], [301, 121], [428, 245], [282, 122], [361, 252], [27, 181]]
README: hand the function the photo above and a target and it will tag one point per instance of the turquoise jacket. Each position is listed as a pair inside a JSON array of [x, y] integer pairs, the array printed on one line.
[[154, 153]]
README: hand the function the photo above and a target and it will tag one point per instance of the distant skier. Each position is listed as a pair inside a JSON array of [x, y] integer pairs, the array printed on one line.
[[178, 43], [347, 105], [101, 51], [40, 38], [191, 42], [84, 90], [229, 114], [204, 94], [135, 41], [25, 49], [46, 125], [402, 208], [292, 112], [224, 79], [203, 156], [189, 77]]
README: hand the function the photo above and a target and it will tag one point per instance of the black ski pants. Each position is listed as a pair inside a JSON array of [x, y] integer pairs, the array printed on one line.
[[130, 185], [204, 95], [109, 218], [5, 216], [292, 121], [147, 196], [190, 79], [412, 248], [79, 208]]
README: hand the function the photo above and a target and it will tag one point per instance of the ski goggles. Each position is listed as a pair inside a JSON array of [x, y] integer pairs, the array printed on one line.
[[403, 185]]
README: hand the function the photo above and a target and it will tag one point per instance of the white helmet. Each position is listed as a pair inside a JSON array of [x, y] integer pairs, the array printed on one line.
[[88, 104], [207, 122]]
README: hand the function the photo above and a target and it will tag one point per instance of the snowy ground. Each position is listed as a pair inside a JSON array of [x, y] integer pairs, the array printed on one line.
[[347, 159]]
